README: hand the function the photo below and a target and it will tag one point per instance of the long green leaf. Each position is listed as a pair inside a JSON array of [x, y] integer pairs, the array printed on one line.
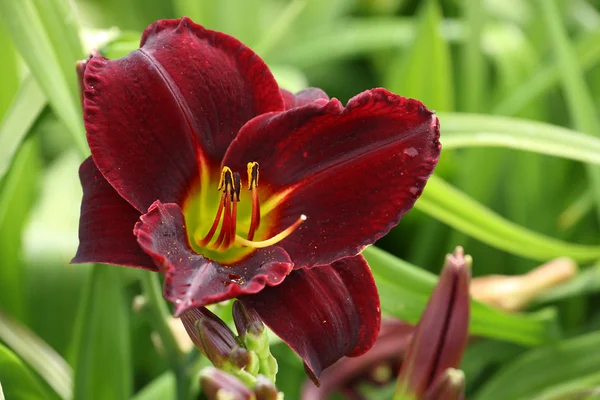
[[451, 206], [546, 77], [580, 102], [473, 68], [17, 195], [60, 23], [103, 359], [17, 381], [8, 72], [405, 289], [345, 39], [541, 368], [26, 27], [25, 109], [427, 63], [38, 355], [475, 130]]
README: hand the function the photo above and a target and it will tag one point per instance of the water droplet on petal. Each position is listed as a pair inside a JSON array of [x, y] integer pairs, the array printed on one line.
[[411, 152]]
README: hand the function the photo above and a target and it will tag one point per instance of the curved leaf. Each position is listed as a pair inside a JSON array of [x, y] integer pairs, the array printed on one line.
[[24, 110], [18, 383], [541, 368], [477, 130], [39, 356], [40, 50], [453, 207]]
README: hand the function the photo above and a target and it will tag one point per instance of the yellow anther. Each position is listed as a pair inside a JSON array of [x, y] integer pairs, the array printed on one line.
[[252, 175], [226, 179]]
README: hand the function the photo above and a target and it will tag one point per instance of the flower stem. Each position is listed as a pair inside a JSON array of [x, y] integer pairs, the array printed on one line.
[[160, 315]]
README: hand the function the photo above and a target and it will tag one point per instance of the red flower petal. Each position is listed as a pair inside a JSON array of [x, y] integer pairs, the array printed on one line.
[[192, 280], [106, 224], [303, 97], [323, 313], [182, 97], [388, 350], [354, 171]]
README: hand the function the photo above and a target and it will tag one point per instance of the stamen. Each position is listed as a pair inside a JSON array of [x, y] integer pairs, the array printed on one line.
[[253, 185], [230, 233], [203, 242], [226, 224], [252, 175], [275, 239], [226, 177], [230, 184]]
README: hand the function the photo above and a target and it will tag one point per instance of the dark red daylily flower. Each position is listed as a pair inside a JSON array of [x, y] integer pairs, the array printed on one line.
[[181, 127]]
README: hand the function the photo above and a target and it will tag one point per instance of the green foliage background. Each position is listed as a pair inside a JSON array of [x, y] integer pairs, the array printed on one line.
[[517, 88]]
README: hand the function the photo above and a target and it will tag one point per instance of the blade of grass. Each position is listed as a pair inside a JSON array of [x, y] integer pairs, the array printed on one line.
[[19, 383], [9, 81], [576, 211], [25, 109], [23, 22], [48, 364], [60, 23], [579, 100], [544, 78], [18, 191], [472, 70], [279, 27], [542, 368], [475, 130], [344, 39], [424, 71], [449, 205]]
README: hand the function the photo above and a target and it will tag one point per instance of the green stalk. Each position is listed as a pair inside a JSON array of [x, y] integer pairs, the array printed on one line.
[[160, 315]]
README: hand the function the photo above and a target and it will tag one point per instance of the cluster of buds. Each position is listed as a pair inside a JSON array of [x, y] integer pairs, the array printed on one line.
[[245, 367]]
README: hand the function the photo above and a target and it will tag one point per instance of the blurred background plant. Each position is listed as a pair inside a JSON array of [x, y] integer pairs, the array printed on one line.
[[517, 88]]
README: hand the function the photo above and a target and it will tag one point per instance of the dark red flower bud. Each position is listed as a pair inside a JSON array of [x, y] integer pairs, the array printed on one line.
[[441, 334], [214, 338], [246, 320], [449, 386]]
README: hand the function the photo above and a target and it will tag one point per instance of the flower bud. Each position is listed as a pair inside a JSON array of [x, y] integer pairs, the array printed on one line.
[[441, 334], [513, 293], [254, 335], [449, 386], [219, 385], [214, 338], [265, 389], [246, 320]]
